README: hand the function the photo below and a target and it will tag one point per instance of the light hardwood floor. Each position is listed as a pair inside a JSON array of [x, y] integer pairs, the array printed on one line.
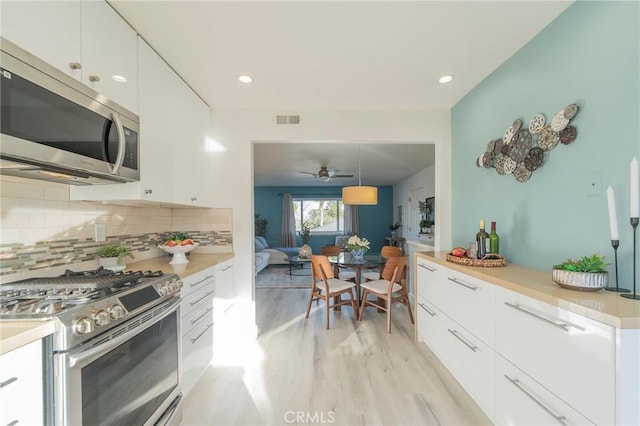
[[296, 372]]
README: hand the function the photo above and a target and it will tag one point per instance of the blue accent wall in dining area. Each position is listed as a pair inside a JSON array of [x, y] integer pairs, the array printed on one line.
[[374, 220]]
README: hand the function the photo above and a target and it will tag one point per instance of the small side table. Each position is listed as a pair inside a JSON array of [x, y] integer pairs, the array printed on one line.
[[298, 261], [394, 241]]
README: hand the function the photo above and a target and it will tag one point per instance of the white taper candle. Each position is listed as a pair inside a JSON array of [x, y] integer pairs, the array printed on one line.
[[613, 220], [633, 198]]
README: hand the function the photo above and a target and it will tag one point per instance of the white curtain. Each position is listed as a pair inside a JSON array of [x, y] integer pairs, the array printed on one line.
[[288, 231], [351, 220]]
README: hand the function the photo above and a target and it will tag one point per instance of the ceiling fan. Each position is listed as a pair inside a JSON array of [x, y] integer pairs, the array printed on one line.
[[325, 174]]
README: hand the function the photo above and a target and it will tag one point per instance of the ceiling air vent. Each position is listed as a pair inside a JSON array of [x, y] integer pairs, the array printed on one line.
[[287, 119]]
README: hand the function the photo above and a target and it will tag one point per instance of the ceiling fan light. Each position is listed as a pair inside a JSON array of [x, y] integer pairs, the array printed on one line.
[[360, 195]]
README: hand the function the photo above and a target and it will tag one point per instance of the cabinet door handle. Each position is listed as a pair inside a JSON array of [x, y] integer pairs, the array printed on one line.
[[426, 267], [463, 284], [516, 383], [430, 312], [561, 325], [8, 382], [94, 78], [75, 65], [195, 339], [201, 281], [467, 344], [195, 302], [193, 321]]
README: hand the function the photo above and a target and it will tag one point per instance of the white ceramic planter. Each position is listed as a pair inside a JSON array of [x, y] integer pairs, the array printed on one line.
[[583, 281], [112, 263]]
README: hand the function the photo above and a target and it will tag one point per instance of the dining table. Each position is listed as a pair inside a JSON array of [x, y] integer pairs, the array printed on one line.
[[347, 259]]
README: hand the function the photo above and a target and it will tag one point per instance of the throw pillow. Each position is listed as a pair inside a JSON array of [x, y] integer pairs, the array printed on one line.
[[258, 245], [263, 241]]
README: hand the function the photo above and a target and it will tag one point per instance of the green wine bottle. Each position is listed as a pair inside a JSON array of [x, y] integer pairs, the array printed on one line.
[[494, 240]]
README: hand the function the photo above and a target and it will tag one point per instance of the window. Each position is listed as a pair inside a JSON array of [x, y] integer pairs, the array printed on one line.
[[325, 216]]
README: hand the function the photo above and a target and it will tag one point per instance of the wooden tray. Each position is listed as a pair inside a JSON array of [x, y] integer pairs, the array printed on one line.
[[488, 263]]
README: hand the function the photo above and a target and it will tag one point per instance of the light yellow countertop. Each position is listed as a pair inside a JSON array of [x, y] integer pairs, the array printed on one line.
[[14, 334], [604, 306], [197, 262]]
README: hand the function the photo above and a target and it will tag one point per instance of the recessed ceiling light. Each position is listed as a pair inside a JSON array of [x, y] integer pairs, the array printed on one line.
[[245, 79], [119, 78], [445, 78]]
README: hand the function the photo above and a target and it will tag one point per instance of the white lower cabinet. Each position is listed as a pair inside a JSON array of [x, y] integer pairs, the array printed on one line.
[[567, 353], [197, 326], [520, 400], [21, 386], [524, 361]]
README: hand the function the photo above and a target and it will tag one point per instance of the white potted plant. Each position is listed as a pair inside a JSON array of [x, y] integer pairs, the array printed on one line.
[[113, 256]]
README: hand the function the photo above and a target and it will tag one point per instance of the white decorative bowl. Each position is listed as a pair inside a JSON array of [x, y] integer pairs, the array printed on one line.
[[583, 281], [178, 253]]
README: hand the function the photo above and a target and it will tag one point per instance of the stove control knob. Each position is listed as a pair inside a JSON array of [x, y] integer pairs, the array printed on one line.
[[178, 285], [165, 290], [172, 287], [116, 312], [83, 326], [101, 318]]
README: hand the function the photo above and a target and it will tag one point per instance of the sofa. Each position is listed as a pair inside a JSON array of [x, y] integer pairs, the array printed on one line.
[[266, 255]]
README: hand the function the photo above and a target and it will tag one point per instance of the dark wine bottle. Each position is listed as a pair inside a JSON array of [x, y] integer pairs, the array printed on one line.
[[482, 238], [494, 240]]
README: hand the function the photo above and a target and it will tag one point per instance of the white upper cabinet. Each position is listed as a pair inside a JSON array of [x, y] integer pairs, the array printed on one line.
[[109, 54], [49, 30], [87, 40]]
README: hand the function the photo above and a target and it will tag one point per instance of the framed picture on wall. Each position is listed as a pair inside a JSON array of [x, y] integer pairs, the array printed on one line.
[[431, 208]]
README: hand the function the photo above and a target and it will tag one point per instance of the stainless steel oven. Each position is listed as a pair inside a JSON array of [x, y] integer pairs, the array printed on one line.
[[129, 377], [115, 358]]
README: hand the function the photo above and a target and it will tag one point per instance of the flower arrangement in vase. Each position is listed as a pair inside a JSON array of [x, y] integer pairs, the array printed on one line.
[[305, 235], [357, 246]]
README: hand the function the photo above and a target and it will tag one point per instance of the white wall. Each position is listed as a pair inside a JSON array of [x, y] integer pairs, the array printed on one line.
[[425, 179], [236, 130]]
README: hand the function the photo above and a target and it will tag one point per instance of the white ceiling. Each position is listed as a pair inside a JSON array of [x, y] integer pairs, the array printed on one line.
[[337, 55]]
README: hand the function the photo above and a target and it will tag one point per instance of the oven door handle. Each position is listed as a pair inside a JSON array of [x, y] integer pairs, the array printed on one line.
[[115, 342]]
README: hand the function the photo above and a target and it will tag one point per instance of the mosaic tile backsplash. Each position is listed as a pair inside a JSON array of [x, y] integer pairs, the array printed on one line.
[[41, 228], [15, 258]]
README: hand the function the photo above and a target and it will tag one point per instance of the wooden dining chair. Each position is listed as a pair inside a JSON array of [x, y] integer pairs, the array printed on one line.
[[342, 272], [391, 282], [385, 253], [326, 287]]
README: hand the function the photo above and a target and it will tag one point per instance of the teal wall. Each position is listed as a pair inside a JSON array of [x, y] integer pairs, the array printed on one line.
[[590, 56], [374, 220]]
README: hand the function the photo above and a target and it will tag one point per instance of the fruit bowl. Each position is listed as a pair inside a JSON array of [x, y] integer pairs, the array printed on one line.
[[179, 252]]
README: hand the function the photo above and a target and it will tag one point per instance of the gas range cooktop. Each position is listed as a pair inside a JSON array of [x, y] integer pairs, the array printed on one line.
[[86, 303]]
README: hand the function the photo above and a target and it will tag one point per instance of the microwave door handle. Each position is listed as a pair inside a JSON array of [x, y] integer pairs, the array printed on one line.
[[121, 143]]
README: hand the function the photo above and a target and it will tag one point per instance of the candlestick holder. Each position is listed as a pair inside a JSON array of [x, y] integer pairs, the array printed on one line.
[[634, 295], [615, 244]]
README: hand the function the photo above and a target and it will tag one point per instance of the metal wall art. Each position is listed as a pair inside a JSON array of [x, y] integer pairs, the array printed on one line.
[[522, 151]]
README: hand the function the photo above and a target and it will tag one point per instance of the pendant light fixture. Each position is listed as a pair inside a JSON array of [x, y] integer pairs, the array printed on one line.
[[360, 195]]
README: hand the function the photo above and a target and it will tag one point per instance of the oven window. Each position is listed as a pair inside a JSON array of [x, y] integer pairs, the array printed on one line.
[[128, 384]]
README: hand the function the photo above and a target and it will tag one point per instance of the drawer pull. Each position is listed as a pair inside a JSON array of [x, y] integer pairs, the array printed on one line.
[[195, 302], [13, 423], [193, 321], [457, 336], [195, 339], [201, 281], [427, 268], [463, 284], [516, 383], [423, 306], [227, 268], [8, 382], [560, 325]]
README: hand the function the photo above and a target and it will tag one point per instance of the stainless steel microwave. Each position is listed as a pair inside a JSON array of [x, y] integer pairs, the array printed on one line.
[[57, 129]]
